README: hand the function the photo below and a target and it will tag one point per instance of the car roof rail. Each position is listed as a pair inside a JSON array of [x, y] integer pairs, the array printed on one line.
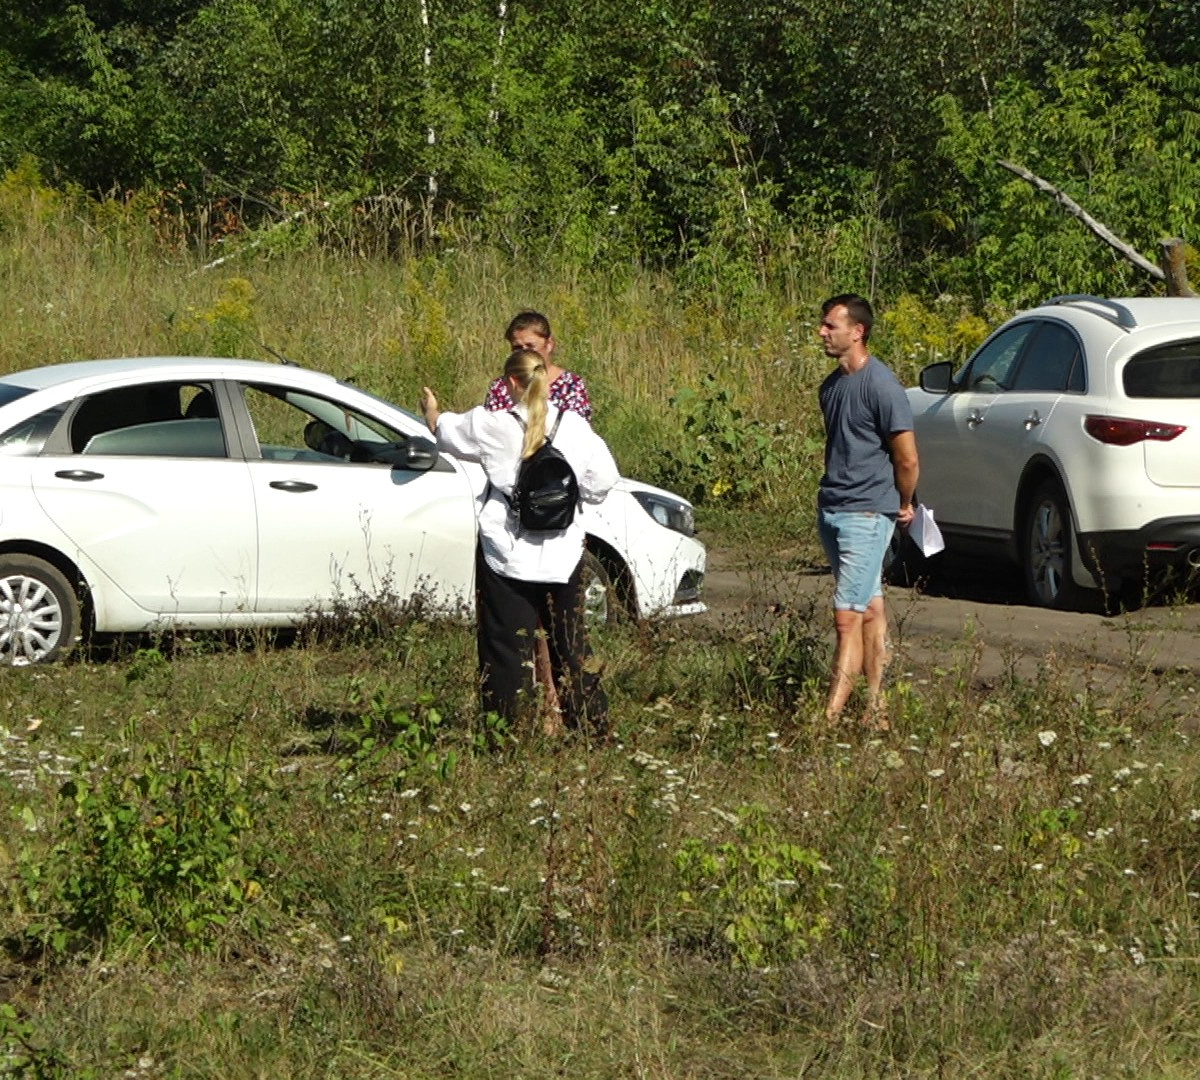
[[1109, 309]]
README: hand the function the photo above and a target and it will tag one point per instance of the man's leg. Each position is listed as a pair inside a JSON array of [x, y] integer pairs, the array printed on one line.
[[875, 660], [855, 544], [847, 662]]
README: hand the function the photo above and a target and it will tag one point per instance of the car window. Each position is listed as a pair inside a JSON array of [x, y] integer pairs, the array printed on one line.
[[291, 425], [160, 419], [9, 392], [990, 369], [29, 436], [164, 438], [1050, 362], [1170, 371]]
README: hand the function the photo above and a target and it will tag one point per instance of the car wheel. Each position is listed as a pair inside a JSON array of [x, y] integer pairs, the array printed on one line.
[[39, 611], [601, 602], [1046, 553]]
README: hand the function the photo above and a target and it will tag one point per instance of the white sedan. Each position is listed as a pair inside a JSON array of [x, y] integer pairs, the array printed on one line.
[[183, 492]]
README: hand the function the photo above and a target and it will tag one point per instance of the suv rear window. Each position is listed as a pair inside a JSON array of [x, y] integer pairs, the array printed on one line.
[[1170, 371]]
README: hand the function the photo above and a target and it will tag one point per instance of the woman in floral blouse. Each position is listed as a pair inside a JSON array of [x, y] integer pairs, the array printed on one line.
[[531, 330]]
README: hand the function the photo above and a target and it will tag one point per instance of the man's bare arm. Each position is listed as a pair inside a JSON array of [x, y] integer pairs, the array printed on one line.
[[902, 445]]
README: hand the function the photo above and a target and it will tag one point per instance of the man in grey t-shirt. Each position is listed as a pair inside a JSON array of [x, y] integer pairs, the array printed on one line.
[[868, 488]]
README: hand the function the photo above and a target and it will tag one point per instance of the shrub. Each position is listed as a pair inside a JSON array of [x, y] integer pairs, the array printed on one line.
[[758, 898], [158, 846]]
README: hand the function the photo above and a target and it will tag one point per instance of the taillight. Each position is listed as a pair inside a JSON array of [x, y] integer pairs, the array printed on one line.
[[1118, 431]]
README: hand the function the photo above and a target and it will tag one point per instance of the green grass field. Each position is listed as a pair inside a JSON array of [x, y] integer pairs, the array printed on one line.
[[252, 858]]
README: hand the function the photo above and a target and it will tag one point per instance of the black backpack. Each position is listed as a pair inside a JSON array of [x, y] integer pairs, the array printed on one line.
[[546, 492]]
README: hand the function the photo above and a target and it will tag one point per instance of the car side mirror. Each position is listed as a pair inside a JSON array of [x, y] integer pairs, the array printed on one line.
[[936, 378], [420, 454]]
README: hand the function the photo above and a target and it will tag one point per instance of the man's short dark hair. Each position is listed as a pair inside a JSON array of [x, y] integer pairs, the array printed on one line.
[[857, 307]]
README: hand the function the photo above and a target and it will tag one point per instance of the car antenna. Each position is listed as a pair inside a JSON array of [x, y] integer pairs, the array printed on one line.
[[278, 355]]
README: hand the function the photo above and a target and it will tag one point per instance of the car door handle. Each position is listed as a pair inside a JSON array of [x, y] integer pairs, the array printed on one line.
[[974, 417], [1032, 420], [79, 474], [297, 486]]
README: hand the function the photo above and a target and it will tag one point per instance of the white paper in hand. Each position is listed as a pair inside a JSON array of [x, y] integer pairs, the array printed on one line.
[[924, 531]]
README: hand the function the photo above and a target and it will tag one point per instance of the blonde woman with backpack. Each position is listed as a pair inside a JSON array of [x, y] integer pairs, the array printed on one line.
[[525, 576], [530, 329]]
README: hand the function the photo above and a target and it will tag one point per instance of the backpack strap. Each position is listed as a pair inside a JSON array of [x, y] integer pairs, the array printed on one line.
[[549, 434]]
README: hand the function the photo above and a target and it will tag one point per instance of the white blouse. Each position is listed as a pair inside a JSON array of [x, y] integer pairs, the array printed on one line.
[[494, 440]]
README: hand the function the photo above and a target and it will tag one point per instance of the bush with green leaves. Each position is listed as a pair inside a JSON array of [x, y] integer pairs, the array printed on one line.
[[758, 898], [781, 664], [152, 842], [723, 454], [394, 739], [1108, 131]]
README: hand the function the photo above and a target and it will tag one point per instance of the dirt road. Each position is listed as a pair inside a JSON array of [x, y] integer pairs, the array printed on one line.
[[979, 608]]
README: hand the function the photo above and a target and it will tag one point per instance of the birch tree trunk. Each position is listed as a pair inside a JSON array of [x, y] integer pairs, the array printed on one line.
[[502, 21], [430, 134]]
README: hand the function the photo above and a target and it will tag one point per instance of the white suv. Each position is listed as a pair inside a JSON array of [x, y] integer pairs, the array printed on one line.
[[1070, 443]]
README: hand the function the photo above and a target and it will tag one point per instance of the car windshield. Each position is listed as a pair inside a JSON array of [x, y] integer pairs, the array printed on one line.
[[1170, 371], [384, 401]]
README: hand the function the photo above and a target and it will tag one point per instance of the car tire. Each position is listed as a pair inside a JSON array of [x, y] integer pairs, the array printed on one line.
[[39, 611], [601, 599], [1047, 548]]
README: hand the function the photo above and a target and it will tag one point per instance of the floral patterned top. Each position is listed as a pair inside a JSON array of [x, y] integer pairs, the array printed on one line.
[[568, 392]]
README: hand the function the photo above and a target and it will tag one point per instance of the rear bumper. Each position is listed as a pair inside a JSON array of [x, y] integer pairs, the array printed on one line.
[[1162, 546]]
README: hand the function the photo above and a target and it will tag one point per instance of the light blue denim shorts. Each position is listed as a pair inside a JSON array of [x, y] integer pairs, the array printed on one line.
[[855, 542]]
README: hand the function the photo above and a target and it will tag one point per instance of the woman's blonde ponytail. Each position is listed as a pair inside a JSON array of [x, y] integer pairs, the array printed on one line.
[[529, 370]]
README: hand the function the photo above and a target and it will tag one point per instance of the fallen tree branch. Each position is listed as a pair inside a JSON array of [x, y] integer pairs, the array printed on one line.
[[1075, 210], [263, 234]]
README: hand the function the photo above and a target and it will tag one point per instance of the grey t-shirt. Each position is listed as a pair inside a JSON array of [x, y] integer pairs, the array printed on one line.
[[861, 411]]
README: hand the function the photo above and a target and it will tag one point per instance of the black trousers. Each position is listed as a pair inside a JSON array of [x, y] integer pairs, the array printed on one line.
[[508, 614]]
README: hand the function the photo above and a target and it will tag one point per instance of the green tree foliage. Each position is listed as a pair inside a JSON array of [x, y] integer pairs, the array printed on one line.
[[1117, 133], [678, 130]]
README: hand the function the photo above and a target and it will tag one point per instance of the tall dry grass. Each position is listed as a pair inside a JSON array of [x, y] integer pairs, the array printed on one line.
[[89, 279]]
